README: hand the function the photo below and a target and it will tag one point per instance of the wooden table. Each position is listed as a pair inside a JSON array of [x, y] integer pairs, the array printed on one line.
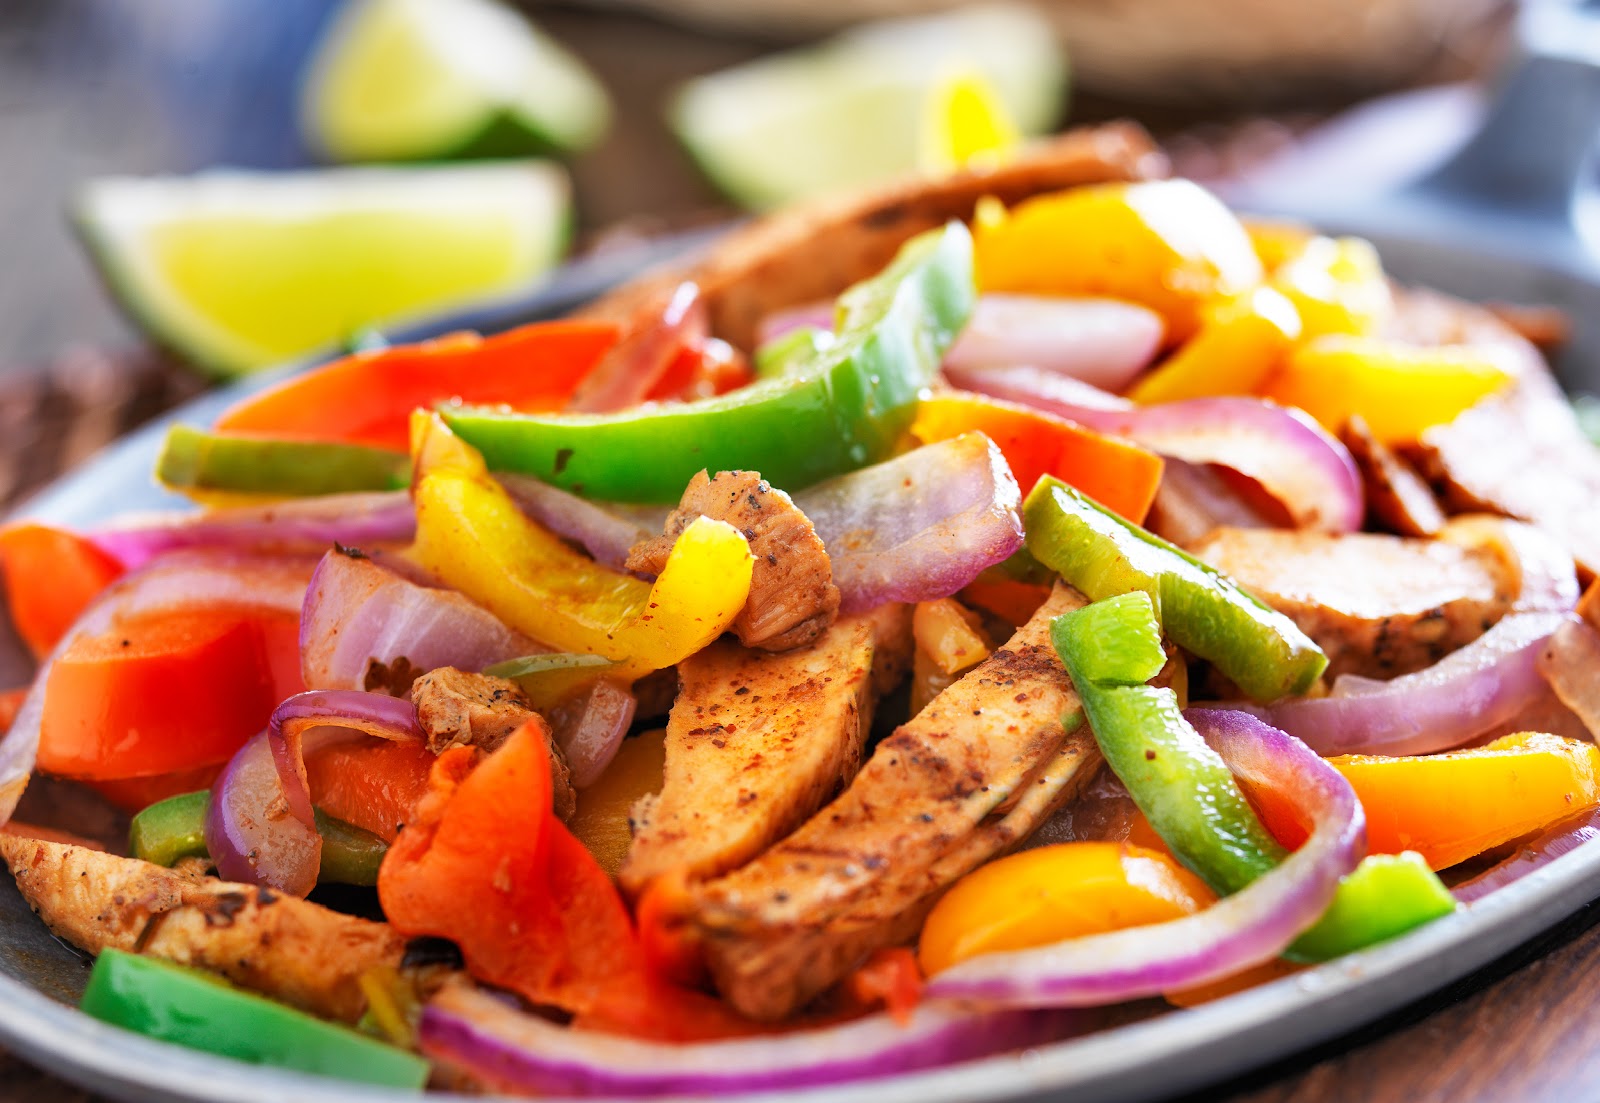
[[93, 86]]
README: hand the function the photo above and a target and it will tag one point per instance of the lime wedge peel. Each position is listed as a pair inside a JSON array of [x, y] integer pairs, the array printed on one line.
[[401, 80], [852, 110], [238, 271]]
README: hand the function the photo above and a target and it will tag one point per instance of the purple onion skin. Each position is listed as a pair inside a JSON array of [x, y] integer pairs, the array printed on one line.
[[510, 1050], [590, 729], [1531, 856], [919, 527], [1243, 930], [374, 714], [250, 833], [301, 526], [358, 611], [1459, 698], [607, 531]]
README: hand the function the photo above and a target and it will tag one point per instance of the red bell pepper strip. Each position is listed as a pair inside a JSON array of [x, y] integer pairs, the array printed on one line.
[[368, 398], [51, 575], [1117, 473], [162, 692]]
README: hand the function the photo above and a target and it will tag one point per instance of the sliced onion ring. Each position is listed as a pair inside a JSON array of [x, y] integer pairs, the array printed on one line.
[[250, 833], [358, 613], [919, 527], [607, 531], [1452, 702], [1250, 927], [176, 581], [513, 1051], [1294, 459], [375, 714], [1534, 854], [297, 526]]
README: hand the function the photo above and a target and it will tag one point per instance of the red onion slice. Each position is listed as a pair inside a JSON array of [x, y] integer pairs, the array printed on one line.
[[919, 527], [358, 613], [1452, 702], [1252, 926], [1532, 855], [1104, 342], [1294, 459], [605, 530], [296, 526], [375, 714], [590, 728], [514, 1051], [252, 835], [176, 581], [636, 363]]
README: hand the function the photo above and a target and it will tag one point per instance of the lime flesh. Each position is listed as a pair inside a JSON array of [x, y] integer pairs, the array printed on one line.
[[238, 271], [437, 79], [851, 111]]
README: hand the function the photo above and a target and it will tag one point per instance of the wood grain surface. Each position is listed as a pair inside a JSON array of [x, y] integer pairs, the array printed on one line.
[[96, 86]]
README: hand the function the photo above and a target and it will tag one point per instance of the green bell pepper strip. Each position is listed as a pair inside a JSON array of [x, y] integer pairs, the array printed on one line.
[[191, 1008], [794, 350], [547, 680], [194, 460], [174, 829], [1261, 650], [846, 406], [1190, 798]]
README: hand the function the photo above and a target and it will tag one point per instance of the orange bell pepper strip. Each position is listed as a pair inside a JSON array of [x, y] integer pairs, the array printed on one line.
[[368, 398], [1450, 807], [1053, 893], [1240, 344], [1337, 285], [1400, 390], [1166, 244], [51, 575], [371, 783], [472, 535], [1118, 474], [890, 978], [134, 794]]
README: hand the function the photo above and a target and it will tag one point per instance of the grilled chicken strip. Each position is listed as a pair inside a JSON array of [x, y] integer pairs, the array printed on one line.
[[455, 708], [1380, 606], [975, 754], [816, 250], [792, 596], [757, 742], [287, 948], [1397, 498]]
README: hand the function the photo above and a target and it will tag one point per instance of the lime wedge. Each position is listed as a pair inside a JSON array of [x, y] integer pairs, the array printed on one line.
[[965, 123], [852, 110], [397, 80], [238, 271]]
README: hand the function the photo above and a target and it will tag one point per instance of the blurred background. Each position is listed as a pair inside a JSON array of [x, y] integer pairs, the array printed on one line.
[[648, 118]]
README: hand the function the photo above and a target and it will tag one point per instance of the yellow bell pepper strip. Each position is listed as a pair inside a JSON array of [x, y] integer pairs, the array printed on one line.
[[1168, 244], [1054, 893], [1241, 343], [472, 536], [1337, 285], [601, 822], [1400, 390], [1117, 473], [844, 407], [1454, 806], [949, 634], [1277, 240]]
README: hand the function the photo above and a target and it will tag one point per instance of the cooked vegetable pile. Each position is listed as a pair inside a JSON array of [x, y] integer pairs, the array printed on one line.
[[863, 649]]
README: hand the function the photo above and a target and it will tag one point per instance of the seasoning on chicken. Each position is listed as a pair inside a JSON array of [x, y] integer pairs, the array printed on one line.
[[284, 947], [793, 921], [792, 596], [757, 742], [455, 708], [1379, 606]]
